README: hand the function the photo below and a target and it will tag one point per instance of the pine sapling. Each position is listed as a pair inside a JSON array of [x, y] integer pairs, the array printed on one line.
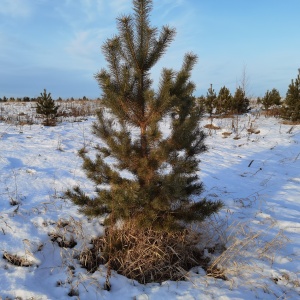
[[142, 171], [47, 108]]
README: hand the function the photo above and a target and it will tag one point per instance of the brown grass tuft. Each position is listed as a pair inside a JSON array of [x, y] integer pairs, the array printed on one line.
[[90, 258], [63, 241], [146, 255], [288, 122], [226, 134], [212, 126], [64, 233], [17, 260], [253, 130]]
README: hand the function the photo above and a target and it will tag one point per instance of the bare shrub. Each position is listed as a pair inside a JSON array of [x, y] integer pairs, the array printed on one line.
[[13, 202], [290, 130], [273, 111], [73, 292]]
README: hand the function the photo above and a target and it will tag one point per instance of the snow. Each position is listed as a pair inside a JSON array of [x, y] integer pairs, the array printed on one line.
[[257, 176]]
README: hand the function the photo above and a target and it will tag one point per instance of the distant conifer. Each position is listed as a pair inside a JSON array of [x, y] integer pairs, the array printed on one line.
[[271, 98], [292, 101], [240, 104], [224, 101], [210, 101], [46, 107]]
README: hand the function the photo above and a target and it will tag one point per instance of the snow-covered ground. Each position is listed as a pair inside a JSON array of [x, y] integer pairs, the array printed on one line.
[[257, 176]]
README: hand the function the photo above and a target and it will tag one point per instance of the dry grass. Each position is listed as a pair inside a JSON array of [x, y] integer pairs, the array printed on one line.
[[64, 233], [287, 122], [273, 111], [253, 130], [212, 126], [247, 251], [16, 260], [225, 116], [151, 256], [145, 255], [21, 113], [62, 241], [226, 134], [91, 258], [246, 247]]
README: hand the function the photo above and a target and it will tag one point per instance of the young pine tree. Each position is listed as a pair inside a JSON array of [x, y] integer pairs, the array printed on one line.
[[292, 101], [210, 101], [240, 104], [224, 101], [46, 107], [271, 98], [161, 170]]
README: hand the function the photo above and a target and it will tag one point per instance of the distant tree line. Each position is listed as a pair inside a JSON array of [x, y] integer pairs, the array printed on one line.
[[18, 99], [226, 104], [35, 99], [288, 108]]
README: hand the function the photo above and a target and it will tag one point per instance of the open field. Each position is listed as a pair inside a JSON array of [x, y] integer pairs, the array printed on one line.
[[252, 165]]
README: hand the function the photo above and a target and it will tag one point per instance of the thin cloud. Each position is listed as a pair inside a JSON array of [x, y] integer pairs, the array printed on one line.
[[83, 44], [166, 7], [78, 14], [15, 8], [120, 6], [92, 9], [85, 48]]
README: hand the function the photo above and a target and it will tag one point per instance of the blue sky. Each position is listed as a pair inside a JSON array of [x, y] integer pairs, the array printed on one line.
[[56, 44]]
